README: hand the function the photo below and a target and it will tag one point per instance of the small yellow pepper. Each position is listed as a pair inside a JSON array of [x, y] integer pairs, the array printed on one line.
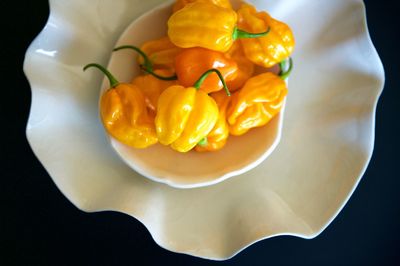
[[268, 50], [161, 52], [151, 85], [124, 114], [185, 115], [245, 67], [203, 24], [260, 99], [179, 4], [218, 136]]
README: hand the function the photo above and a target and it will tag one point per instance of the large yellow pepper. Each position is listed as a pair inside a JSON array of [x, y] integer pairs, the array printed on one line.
[[124, 114], [179, 4], [260, 99], [153, 84], [218, 136], [245, 67], [203, 24], [268, 50], [185, 115], [161, 52]]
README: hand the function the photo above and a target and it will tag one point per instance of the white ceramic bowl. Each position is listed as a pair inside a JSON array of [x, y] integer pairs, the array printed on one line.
[[193, 169], [327, 138]]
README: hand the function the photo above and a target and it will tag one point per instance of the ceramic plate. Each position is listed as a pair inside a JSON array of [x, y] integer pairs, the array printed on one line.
[[327, 137]]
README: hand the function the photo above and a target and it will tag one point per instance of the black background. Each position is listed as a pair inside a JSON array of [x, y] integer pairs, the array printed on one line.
[[39, 226]]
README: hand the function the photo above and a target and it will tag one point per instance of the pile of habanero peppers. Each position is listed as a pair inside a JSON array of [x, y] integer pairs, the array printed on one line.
[[198, 84]]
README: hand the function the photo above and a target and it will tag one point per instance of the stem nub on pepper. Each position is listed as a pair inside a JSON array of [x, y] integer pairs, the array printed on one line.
[[147, 65], [284, 74]]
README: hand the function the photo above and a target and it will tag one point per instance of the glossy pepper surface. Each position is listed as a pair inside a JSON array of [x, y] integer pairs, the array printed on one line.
[[124, 114], [260, 99], [268, 50], [191, 63], [245, 67], [161, 52], [185, 116], [179, 4], [203, 24], [218, 136]]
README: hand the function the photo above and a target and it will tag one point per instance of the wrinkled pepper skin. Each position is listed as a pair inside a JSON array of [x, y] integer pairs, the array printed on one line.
[[203, 24], [184, 117], [245, 67], [218, 136], [192, 62], [161, 52], [260, 99], [152, 87], [268, 50], [179, 4], [125, 116]]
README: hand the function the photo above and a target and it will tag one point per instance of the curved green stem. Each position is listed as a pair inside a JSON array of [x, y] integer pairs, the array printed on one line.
[[151, 72], [284, 74], [113, 81], [203, 142], [198, 83], [147, 63], [241, 34]]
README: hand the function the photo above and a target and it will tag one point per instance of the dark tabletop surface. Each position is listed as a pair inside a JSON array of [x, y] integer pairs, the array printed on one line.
[[39, 226]]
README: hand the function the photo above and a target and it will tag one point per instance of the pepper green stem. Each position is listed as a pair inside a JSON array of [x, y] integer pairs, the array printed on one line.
[[173, 77], [203, 142], [284, 74], [241, 34], [147, 63], [200, 81], [113, 81]]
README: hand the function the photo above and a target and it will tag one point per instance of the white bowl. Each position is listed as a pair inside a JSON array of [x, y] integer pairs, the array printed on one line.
[[161, 163], [327, 138]]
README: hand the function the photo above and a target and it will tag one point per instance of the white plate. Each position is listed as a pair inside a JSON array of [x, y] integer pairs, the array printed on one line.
[[326, 144]]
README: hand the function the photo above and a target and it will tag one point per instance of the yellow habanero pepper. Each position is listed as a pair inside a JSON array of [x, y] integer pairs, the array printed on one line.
[[218, 136], [124, 114], [186, 115], [179, 4], [270, 49], [203, 24], [161, 52], [151, 85], [260, 99], [245, 67]]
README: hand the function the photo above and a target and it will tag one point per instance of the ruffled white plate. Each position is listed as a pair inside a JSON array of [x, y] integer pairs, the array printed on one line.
[[326, 144]]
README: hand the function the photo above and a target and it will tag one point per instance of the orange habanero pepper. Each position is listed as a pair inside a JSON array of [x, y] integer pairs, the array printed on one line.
[[192, 62]]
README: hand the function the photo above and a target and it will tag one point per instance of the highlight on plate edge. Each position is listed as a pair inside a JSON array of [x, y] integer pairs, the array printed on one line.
[[198, 84]]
